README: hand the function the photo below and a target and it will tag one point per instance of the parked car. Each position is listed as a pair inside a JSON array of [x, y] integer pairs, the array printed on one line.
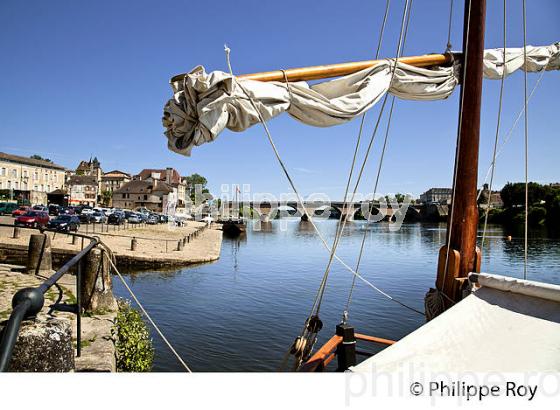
[[116, 218], [134, 219], [54, 209], [152, 220], [163, 219], [98, 217], [8, 207], [86, 210], [65, 223], [22, 210], [40, 208], [33, 219], [66, 210], [86, 218]]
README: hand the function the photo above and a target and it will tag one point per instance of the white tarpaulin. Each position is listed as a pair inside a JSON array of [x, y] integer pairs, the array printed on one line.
[[204, 104], [507, 325]]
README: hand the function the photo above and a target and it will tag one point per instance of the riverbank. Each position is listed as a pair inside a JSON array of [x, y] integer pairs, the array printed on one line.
[[155, 245]]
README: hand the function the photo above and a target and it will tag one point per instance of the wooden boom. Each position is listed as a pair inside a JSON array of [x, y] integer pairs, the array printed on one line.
[[336, 70]]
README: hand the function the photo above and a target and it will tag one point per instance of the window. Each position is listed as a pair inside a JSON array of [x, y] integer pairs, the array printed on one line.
[[35, 176], [35, 188], [14, 173], [9, 186], [3, 172], [25, 173], [145, 197], [16, 185]]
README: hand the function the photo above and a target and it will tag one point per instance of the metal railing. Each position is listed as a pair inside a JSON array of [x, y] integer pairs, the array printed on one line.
[[28, 302]]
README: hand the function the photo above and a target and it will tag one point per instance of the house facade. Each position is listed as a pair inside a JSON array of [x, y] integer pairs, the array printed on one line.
[[172, 178], [154, 195], [111, 181], [29, 179], [440, 196], [82, 190]]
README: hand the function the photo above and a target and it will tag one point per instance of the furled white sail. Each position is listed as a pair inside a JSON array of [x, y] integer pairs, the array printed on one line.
[[204, 104]]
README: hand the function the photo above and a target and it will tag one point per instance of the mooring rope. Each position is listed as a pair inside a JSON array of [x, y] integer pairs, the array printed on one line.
[[156, 327]]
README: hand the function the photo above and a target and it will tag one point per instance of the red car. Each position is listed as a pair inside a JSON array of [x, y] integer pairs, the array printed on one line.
[[33, 219], [22, 210]]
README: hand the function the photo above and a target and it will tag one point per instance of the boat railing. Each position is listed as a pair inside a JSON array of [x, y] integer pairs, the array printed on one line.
[[343, 347], [28, 302]]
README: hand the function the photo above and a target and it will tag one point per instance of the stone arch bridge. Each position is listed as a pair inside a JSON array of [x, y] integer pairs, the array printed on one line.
[[380, 211]]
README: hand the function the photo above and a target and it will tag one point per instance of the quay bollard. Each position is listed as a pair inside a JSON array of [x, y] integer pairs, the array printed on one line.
[[184, 240], [96, 290], [180, 245], [17, 232], [74, 239], [39, 258], [133, 244]]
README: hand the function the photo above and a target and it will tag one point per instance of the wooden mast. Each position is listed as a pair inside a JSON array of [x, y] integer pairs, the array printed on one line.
[[335, 70], [464, 257]]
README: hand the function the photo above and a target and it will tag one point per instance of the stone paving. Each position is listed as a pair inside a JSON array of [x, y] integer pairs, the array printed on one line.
[[98, 351]]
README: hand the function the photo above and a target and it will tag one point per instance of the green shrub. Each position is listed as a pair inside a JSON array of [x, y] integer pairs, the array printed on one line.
[[135, 352], [536, 215]]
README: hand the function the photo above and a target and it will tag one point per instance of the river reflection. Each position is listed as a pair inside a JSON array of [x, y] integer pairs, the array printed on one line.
[[242, 312]]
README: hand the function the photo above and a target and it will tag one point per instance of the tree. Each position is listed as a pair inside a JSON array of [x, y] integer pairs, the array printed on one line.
[[194, 180], [106, 197], [36, 156]]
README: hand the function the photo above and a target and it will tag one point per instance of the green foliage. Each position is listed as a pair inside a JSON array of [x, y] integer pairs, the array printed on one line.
[[194, 180], [35, 156], [536, 215], [513, 194], [544, 205], [106, 197], [135, 352]]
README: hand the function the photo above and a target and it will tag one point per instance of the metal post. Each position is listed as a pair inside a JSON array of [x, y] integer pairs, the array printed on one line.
[[346, 351], [79, 307]]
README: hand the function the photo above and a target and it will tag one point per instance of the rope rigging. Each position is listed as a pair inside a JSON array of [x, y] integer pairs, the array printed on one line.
[[310, 332], [303, 345], [525, 251], [370, 211], [498, 122]]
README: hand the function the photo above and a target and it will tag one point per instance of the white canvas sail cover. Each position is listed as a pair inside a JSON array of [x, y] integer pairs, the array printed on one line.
[[204, 104], [506, 325]]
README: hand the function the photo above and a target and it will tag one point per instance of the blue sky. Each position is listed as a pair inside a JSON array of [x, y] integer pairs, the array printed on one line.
[[84, 78]]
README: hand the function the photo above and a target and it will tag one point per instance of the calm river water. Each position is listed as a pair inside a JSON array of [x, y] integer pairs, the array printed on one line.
[[242, 312]]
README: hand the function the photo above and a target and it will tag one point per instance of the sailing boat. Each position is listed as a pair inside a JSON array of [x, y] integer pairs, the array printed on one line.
[[472, 317], [234, 226]]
